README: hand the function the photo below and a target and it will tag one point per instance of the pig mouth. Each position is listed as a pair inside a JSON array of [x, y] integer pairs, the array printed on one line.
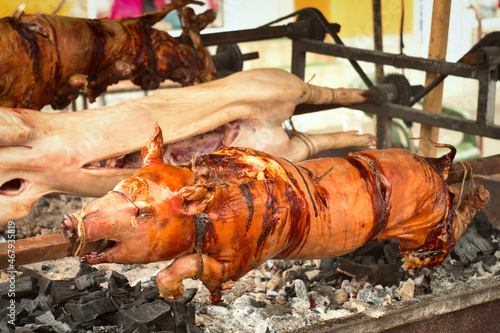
[[178, 152], [89, 252], [101, 248]]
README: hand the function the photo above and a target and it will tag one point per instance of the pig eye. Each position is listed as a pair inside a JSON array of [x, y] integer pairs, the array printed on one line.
[[144, 213]]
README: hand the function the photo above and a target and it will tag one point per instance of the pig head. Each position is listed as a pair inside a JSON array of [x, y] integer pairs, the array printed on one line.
[[88, 152], [146, 220]]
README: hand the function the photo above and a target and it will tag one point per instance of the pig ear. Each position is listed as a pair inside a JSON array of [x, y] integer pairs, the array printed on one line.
[[196, 199], [152, 152]]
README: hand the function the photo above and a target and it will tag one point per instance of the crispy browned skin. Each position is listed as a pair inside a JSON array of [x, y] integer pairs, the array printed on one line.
[[49, 59], [232, 210]]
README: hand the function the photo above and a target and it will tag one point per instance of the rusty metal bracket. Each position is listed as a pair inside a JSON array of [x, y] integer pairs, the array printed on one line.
[[33, 249]]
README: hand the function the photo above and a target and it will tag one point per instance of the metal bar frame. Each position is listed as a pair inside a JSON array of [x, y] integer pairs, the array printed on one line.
[[486, 74]]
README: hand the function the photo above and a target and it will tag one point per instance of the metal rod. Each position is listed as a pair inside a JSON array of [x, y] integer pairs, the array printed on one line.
[[485, 166], [291, 30], [414, 115], [34, 249], [396, 60], [377, 37]]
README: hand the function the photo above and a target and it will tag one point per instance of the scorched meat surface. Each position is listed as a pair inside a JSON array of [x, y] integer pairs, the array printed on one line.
[[230, 211], [88, 152], [49, 59]]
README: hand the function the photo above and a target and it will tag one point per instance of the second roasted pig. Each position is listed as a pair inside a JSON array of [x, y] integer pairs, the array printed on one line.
[[230, 211], [49, 59]]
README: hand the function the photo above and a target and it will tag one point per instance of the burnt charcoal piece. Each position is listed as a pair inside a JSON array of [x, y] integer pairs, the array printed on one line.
[[471, 245], [145, 314], [184, 317], [91, 279], [44, 286], [85, 269], [62, 307], [359, 272], [47, 320], [88, 311], [117, 281], [389, 274], [24, 286], [188, 296], [483, 225], [136, 328], [31, 273], [150, 293], [44, 302], [64, 291], [27, 304]]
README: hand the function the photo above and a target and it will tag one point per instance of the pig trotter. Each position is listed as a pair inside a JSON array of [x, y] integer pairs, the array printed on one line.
[[169, 280], [468, 207]]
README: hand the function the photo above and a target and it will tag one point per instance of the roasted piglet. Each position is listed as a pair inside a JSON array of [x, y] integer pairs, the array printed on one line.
[[88, 152], [49, 59], [230, 211]]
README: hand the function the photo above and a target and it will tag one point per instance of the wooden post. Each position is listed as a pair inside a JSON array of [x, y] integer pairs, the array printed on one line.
[[438, 44]]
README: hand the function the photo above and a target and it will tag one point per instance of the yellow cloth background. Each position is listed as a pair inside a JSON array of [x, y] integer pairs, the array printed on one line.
[[8, 7]]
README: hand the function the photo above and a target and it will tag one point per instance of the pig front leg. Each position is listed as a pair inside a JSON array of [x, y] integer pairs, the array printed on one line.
[[169, 280]]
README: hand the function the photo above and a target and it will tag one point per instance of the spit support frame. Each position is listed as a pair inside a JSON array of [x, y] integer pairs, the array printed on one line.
[[307, 33]]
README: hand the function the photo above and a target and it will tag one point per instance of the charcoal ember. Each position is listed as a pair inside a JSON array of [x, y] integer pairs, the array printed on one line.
[[482, 224], [188, 295], [88, 280], [277, 309], [359, 272], [184, 317], [4, 328], [29, 305], [389, 274], [487, 259], [471, 245], [85, 311], [85, 269], [46, 268], [29, 272], [292, 273], [44, 302], [46, 320], [150, 293], [25, 286], [44, 286], [372, 295], [313, 275], [117, 281], [148, 313], [64, 290]]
